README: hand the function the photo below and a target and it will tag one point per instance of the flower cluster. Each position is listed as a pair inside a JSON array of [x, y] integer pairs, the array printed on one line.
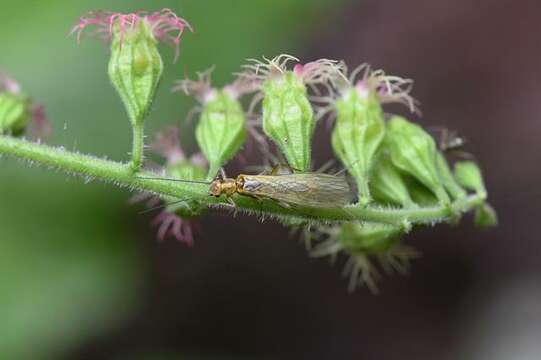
[[394, 162], [402, 179]]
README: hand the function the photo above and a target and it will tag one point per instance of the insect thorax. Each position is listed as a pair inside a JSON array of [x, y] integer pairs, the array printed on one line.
[[247, 184], [223, 187]]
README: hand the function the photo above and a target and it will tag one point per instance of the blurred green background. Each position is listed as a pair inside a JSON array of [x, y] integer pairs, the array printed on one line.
[[70, 263]]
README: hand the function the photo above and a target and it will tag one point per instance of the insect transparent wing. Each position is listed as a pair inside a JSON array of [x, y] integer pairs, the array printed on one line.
[[305, 189]]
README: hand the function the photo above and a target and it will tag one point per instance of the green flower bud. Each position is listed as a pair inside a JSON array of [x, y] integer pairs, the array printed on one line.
[[15, 113], [369, 238], [468, 174], [413, 151], [363, 242], [360, 126], [446, 176], [288, 118], [220, 131], [357, 135], [485, 216], [387, 184], [19, 114], [135, 67], [419, 193]]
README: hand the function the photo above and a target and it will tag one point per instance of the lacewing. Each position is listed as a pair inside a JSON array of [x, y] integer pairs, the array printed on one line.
[[308, 189]]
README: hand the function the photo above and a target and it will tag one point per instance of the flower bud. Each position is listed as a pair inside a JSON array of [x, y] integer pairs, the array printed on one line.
[[369, 238], [414, 151], [357, 135], [18, 112], [485, 216], [447, 177], [220, 131], [360, 127], [135, 65], [15, 113], [363, 242], [387, 184], [288, 117], [468, 174], [419, 193]]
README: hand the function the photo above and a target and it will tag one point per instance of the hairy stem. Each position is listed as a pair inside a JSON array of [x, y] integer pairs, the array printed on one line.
[[137, 146], [122, 175]]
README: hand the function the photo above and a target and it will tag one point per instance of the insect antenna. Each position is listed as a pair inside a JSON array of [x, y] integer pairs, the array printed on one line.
[[344, 169], [173, 179], [162, 206]]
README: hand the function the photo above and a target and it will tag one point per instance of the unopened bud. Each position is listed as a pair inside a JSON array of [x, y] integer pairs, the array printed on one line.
[[413, 151], [447, 177], [485, 216], [18, 112], [387, 184], [15, 113], [288, 117], [357, 135], [468, 174], [135, 65], [369, 238]]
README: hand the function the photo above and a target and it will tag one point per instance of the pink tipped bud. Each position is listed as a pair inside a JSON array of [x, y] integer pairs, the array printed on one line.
[[165, 25], [386, 88], [135, 65], [18, 112], [7, 84]]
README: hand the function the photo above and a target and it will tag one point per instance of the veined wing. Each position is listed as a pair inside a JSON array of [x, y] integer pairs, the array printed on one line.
[[305, 189]]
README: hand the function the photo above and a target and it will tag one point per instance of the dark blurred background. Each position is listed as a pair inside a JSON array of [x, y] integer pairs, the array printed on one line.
[[82, 277]]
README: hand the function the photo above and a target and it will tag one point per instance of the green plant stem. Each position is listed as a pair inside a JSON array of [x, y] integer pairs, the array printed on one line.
[[137, 146], [122, 175]]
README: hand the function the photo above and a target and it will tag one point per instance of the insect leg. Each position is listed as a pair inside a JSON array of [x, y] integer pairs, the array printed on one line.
[[231, 203], [221, 174]]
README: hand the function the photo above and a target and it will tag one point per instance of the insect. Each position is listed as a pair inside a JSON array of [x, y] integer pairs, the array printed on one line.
[[289, 189]]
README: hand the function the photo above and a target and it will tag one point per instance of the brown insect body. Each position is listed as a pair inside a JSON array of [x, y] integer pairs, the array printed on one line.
[[303, 189]]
